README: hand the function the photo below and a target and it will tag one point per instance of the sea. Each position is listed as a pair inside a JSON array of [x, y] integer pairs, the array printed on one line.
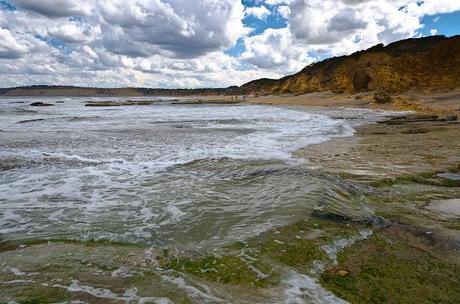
[[168, 174]]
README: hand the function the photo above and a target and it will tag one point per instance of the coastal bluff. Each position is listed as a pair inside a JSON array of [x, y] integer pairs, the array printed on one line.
[[416, 64]]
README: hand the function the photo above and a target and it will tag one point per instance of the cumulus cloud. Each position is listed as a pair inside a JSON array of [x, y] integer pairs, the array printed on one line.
[[284, 11], [260, 12], [183, 43], [179, 28], [275, 48], [55, 8], [10, 47], [277, 2], [332, 24]]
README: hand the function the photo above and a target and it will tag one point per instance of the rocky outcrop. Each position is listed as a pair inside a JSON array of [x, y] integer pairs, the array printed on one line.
[[41, 104], [424, 63]]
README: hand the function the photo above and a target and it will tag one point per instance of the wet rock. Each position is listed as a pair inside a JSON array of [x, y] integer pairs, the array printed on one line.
[[41, 104], [449, 118], [118, 103], [330, 216], [382, 97], [379, 222], [415, 130], [414, 118], [342, 272], [450, 176], [448, 208], [30, 120]]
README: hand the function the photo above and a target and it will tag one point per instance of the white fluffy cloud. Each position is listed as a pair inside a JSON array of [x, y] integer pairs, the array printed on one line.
[[11, 47], [179, 28], [284, 11], [331, 25], [183, 43], [260, 12], [275, 49], [55, 8]]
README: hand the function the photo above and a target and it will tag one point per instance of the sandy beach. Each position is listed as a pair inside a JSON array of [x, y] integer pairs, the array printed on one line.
[[442, 103]]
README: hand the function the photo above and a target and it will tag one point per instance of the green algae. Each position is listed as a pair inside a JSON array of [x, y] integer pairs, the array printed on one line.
[[298, 245], [426, 178], [50, 266], [376, 275], [255, 261], [299, 254], [226, 269], [388, 268], [41, 295], [401, 264], [14, 244]]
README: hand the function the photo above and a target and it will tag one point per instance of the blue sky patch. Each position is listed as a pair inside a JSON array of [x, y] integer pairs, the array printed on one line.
[[7, 6]]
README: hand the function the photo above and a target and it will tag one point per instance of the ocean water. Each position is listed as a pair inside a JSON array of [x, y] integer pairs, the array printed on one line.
[[193, 176], [163, 173]]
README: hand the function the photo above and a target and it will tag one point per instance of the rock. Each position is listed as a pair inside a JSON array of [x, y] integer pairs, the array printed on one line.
[[330, 216], [450, 176], [342, 272], [118, 103], [30, 120], [382, 97], [449, 117], [448, 207], [41, 104], [379, 222]]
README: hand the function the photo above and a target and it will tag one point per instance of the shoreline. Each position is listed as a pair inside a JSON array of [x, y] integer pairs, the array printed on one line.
[[436, 103]]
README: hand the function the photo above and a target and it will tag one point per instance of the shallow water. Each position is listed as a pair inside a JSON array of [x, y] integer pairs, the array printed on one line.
[[194, 176]]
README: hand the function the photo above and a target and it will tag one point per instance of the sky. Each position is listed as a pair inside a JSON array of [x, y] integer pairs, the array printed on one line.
[[198, 43]]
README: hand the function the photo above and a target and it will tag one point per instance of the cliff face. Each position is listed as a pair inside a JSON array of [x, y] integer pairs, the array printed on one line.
[[432, 62]]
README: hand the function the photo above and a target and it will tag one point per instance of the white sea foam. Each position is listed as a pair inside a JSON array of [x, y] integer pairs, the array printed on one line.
[[203, 296], [16, 271], [338, 245], [302, 289], [128, 296]]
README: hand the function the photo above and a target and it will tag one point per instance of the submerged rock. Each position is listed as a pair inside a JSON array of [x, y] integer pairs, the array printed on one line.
[[30, 120], [118, 103], [448, 207], [41, 104], [450, 176]]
